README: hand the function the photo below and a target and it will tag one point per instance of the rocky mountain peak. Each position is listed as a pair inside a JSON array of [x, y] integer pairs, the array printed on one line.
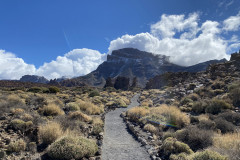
[[34, 78]]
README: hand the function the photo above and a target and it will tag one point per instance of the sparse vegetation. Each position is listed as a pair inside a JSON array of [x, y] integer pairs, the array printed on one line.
[[50, 132], [70, 147]]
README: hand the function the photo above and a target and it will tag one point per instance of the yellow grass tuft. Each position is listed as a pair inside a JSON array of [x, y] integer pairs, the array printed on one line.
[[78, 115], [52, 110], [50, 132]]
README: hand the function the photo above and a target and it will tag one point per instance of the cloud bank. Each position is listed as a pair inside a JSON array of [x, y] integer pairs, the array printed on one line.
[[181, 37]]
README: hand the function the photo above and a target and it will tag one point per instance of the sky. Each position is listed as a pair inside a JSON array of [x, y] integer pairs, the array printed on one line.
[[72, 37]]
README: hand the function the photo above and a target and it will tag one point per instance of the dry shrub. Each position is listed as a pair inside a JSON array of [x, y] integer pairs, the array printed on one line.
[[97, 125], [19, 124], [215, 106], [78, 115], [207, 124], [207, 155], [136, 113], [196, 138], [17, 111], [15, 100], [193, 96], [17, 146], [172, 114], [173, 146], [72, 106], [228, 144], [224, 125], [70, 147], [89, 108], [26, 117], [150, 128], [52, 110], [147, 103], [49, 132]]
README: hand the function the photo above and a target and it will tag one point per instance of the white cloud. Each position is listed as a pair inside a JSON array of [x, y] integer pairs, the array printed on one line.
[[195, 43], [232, 23], [75, 63], [12, 67], [169, 24]]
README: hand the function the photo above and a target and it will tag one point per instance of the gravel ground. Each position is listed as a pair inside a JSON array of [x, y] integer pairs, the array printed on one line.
[[118, 144]]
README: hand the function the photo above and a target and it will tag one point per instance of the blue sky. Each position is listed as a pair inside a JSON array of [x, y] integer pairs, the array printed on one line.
[[37, 32]]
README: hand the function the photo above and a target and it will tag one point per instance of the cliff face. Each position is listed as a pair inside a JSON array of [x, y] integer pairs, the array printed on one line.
[[130, 63]]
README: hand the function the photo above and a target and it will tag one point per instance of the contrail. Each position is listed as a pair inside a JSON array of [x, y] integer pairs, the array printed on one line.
[[67, 40]]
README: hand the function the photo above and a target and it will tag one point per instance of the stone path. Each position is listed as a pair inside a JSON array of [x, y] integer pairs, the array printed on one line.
[[118, 144]]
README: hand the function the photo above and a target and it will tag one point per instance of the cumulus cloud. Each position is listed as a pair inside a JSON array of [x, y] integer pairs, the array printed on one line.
[[13, 67], [232, 23], [183, 39], [77, 62]]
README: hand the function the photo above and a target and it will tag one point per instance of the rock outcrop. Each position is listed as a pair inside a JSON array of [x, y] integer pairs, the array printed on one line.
[[34, 78]]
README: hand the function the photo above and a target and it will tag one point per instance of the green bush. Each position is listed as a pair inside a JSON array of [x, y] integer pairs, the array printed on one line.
[[54, 89], [172, 146], [224, 125], [181, 156], [19, 124], [208, 155], [94, 93], [199, 107], [72, 148], [35, 89], [215, 106], [235, 96], [196, 138]]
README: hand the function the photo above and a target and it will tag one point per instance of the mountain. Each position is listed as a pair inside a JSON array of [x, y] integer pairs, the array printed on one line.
[[130, 62], [34, 78]]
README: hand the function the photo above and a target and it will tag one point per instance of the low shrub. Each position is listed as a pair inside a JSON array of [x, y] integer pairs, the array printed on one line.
[[53, 89], [35, 89], [199, 107], [150, 128], [78, 115], [19, 124], [72, 148], [193, 96], [50, 132], [234, 94], [207, 125], [228, 144], [181, 156], [17, 146], [94, 93], [231, 116], [72, 106], [196, 138], [186, 100], [89, 108], [215, 106], [135, 113], [173, 146], [172, 114], [224, 125], [52, 110], [208, 155]]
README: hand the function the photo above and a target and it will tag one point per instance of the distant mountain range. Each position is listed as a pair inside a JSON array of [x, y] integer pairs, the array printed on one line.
[[130, 62], [127, 62]]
